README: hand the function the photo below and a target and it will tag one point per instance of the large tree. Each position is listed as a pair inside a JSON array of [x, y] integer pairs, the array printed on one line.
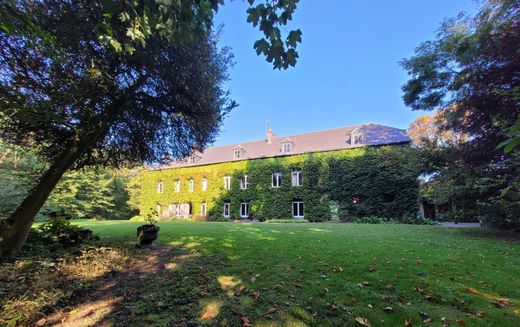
[[115, 82], [470, 74]]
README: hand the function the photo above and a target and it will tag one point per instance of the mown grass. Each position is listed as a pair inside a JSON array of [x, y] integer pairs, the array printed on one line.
[[325, 274], [231, 274]]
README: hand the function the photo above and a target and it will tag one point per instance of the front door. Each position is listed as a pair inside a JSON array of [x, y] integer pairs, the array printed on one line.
[[185, 210]]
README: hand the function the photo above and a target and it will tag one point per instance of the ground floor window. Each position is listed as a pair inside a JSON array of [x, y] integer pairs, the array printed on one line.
[[244, 209], [227, 209], [297, 209], [203, 209]]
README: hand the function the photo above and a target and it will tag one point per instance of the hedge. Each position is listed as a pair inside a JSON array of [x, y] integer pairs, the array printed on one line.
[[381, 179]]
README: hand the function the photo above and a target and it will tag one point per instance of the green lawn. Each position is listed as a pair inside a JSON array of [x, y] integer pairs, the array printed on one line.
[[326, 274], [232, 274]]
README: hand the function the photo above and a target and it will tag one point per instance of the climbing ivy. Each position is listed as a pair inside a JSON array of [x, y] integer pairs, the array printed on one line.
[[381, 180]]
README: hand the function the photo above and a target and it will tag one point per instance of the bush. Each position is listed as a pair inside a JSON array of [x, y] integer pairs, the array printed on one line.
[[370, 220], [61, 230], [285, 221], [137, 218], [419, 221]]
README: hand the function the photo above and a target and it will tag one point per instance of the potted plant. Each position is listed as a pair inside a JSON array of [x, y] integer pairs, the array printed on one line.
[[148, 232]]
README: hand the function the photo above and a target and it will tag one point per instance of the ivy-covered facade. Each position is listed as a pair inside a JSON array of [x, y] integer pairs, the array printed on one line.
[[319, 186]]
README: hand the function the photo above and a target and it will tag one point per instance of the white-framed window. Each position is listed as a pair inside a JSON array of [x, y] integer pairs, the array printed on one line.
[[277, 180], [237, 153], [297, 209], [243, 182], [227, 182], [176, 210], [193, 159], [244, 209], [192, 185], [160, 187], [286, 147], [227, 210], [177, 186], [297, 178], [203, 209], [204, 183]]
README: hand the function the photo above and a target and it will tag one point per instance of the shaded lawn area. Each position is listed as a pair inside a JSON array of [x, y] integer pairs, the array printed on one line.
[[231, 274]]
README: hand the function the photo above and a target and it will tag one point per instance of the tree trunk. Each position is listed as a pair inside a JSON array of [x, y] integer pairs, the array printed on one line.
[[18, 225], [15, 229]]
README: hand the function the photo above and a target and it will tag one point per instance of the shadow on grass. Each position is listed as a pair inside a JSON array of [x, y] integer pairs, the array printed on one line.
[[115, 284]]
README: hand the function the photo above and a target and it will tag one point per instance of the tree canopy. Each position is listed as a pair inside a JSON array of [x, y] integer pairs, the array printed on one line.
[[470, 73], [117, 83]]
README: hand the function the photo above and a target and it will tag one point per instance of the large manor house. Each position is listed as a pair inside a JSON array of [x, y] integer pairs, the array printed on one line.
[[318, 176]]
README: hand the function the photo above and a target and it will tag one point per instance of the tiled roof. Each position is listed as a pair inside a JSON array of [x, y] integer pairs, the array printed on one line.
[[327, 140]]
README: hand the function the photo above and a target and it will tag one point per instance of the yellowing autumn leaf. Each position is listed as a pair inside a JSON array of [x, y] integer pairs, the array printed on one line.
[[363, 321]]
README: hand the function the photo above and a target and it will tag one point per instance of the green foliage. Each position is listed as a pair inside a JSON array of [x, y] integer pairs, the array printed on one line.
[[370, 220], [383, 175], [87, 193], [61, 230], [286, 221]]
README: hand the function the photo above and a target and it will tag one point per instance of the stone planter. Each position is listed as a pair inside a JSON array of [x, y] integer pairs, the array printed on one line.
[[146, 234]]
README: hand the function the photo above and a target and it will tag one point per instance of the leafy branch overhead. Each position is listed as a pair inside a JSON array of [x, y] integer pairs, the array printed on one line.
[[128, 25]]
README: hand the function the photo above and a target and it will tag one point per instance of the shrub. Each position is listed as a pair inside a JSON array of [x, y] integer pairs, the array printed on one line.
[[61, 230], [285, 221], [419, 221], [370, 220]]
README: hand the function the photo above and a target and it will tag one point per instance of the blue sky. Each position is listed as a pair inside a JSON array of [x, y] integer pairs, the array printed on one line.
[[347, 73]]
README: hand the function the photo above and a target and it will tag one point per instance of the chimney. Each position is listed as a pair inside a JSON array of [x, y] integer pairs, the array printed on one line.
[[270, 136]]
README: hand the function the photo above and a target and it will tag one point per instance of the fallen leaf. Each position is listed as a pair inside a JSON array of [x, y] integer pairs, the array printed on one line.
[[481, 314], [390, 286], [271, 311], [427, 321], [504, 300], [408, 321], [424, 314], [363, 321], [388, 309], [208, 314], [460, 322], [73, 312], [337, 269], [371, 268], [245, 321], [418, 261], [472, 290], [41, 322]]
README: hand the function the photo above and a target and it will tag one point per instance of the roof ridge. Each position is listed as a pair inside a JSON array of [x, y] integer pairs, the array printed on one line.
[[304, 133]]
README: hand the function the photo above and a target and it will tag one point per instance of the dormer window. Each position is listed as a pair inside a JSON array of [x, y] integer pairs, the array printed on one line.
[[159, 187], [357, 137], [193, 159], [238, 152], [287, 145]]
